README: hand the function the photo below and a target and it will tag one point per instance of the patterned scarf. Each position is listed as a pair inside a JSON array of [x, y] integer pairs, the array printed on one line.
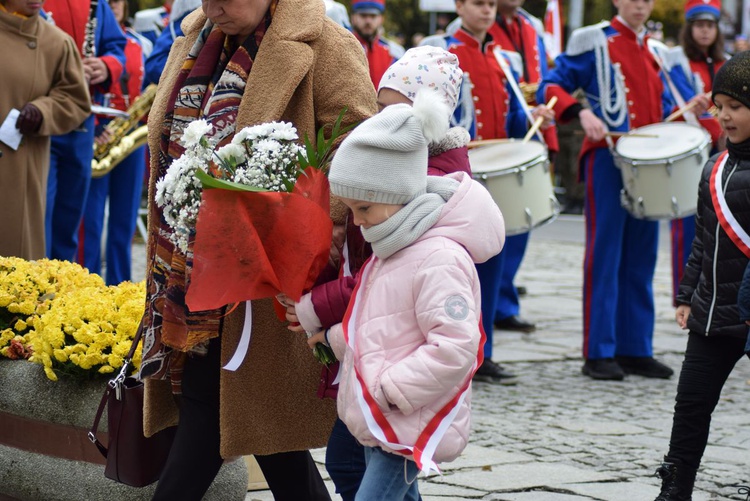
[[210, 86]]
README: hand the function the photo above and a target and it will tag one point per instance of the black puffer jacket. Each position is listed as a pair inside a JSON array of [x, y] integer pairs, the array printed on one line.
[[715, 268]]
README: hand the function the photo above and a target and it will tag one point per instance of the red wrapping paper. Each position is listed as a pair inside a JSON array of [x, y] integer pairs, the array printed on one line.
[[254, 245]]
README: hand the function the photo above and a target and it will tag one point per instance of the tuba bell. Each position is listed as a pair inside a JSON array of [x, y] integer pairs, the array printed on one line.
[[124, 135]]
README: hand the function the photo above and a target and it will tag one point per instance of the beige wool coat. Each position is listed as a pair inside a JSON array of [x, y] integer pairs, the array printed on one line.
[[306, 71], [41, 65]]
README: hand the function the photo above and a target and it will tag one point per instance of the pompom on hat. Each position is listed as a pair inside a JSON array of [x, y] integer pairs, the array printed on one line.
[[425, 67], [733, 79], [368, 6], [696, 10], [384, 160]]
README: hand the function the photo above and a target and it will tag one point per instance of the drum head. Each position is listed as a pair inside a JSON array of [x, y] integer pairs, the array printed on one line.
[[508, 154], [672, 139]]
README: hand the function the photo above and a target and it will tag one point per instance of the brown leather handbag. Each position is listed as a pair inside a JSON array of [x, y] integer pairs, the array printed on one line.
[[132, 459]]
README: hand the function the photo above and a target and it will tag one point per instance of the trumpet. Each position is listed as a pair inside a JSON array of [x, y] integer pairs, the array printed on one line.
[[125, 135]]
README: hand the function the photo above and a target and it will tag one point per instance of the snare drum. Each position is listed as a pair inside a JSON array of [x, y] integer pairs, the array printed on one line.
[[517, 176], [660, 173]]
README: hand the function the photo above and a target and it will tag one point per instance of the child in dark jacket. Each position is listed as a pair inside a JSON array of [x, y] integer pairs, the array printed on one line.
[[743, 303], [708, 293]]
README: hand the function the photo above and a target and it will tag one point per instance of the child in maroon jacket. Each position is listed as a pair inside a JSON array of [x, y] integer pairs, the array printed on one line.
[[420, 68]]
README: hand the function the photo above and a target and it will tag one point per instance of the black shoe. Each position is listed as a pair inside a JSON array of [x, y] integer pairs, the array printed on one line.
[[603, 368], [521, 290], [515, 323], [492, 372], [644, 366], [677, 481]]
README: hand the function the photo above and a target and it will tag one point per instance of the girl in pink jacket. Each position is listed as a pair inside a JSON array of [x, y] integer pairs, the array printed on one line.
[[411, 338]]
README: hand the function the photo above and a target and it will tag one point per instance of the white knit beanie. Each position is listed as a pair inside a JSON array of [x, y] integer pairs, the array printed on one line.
[[425, 67], [384, 160]]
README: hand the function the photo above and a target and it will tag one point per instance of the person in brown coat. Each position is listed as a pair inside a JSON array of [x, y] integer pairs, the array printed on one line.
[[305, 69], [42, 77]]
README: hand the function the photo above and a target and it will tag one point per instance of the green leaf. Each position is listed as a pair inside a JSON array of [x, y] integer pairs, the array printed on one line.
[[209, 182]]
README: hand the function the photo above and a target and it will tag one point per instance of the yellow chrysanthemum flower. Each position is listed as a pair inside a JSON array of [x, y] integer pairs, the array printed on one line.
[[68, 315]]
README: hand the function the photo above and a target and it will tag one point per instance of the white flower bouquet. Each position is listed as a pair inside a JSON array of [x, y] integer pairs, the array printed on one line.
[[253, 214]]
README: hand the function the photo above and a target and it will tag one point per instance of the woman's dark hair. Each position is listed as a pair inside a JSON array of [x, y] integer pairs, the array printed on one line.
[[126, 11], [693, 52]]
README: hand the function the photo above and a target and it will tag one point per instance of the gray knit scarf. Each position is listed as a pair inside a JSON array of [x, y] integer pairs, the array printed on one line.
[[413, 220]]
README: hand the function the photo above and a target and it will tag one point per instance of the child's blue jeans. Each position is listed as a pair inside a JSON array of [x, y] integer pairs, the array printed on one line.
[[345, 461], [388, 477]]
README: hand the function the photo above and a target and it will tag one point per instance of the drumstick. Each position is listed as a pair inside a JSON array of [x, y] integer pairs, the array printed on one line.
[[677, 114], [484, 142], [630, 134], [538, 121], [619, 134]]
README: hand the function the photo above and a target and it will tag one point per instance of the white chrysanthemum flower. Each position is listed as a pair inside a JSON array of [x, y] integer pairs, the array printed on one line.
[[267, 147], [284, 131], [195, 131], [231, 153]]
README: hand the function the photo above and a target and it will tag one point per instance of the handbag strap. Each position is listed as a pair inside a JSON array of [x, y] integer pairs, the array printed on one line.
[[113, 385]]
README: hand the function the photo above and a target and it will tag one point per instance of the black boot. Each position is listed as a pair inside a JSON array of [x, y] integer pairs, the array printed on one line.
[[677, 481]]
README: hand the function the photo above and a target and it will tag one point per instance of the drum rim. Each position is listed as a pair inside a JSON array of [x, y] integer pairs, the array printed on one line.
[[660, 161], [544, 222], [544, 155], [541, 159]]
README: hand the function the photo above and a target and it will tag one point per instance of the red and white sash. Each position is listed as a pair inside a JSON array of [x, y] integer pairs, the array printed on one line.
[[429, 438], [726, 219]]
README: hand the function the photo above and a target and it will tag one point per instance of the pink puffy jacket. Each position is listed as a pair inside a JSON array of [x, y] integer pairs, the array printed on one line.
[[417, 329]]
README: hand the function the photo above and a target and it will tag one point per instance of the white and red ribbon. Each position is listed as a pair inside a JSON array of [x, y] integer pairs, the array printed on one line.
[[726, 219], [424, 449]]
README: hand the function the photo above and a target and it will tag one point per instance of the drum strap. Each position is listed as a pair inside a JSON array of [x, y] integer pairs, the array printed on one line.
[[726, 219]]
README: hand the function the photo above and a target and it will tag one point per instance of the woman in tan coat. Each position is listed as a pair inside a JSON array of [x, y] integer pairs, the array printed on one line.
[[288, 62], [42, 77]]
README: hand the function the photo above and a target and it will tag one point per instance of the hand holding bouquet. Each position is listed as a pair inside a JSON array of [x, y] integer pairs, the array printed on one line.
[[253, 214]]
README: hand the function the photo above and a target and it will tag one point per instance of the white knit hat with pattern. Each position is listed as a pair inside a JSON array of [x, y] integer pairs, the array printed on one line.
[[425, 67], [384, 160]]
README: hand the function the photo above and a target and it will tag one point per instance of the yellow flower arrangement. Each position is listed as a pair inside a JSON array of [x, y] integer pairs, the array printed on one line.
[[57, 314]]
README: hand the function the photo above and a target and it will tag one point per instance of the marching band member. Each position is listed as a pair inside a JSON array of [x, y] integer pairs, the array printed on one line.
[[122, 186], [622, 81], [151, 22], [337, 12], [42, 78], [488, 109], [72, 153], [367, 19], [158, 58], [697, 60], [518, 31]]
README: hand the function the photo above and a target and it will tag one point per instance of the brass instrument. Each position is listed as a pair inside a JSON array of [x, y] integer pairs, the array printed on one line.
[[124, 135], [529, 92], [88, 49]]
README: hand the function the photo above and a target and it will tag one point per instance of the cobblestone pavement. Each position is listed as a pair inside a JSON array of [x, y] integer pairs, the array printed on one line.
[[560, 436]]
